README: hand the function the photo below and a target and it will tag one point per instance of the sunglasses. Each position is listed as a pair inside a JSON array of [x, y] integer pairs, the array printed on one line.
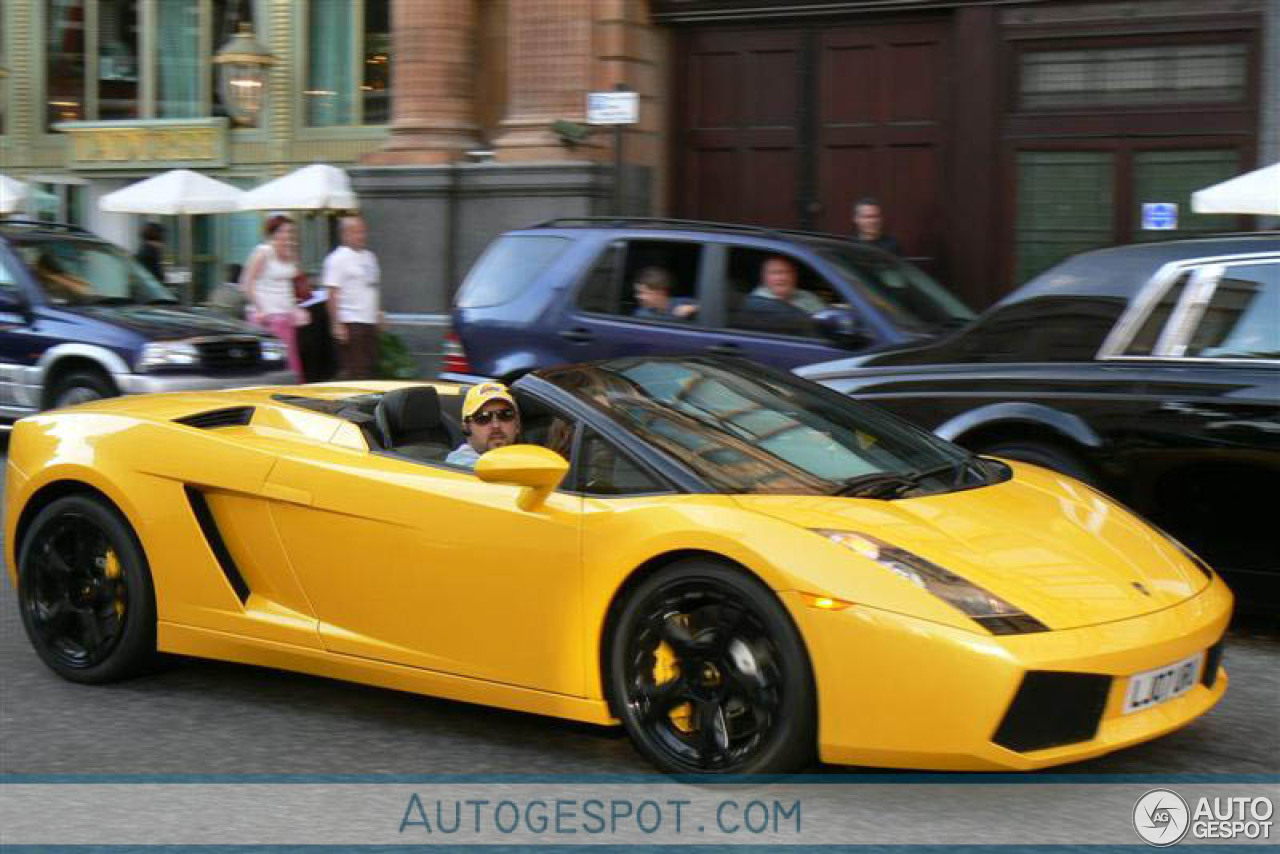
[[500, 414]]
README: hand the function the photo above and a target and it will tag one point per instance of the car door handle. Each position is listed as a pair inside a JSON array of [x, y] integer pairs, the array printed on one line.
[[290, 494], [578, 336], [725, 348]]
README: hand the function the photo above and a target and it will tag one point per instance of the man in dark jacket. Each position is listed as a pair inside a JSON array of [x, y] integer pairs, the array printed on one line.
[[151, 253], [868, 223]]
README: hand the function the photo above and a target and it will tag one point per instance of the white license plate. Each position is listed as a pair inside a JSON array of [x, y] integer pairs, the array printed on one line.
[[1154, 687]]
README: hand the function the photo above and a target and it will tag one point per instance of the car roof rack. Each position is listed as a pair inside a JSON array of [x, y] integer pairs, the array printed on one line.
[[653, 222], [49, 226], [689, 224]]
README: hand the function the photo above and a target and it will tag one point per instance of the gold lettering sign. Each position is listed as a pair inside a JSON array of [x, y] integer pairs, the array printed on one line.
[[95, 146]]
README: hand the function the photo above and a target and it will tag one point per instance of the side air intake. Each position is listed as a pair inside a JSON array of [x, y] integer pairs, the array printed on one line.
[[232, 416], [209, 527]]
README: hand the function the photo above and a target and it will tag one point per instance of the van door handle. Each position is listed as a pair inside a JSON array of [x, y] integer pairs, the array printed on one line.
[[578, 336], [725, 348]]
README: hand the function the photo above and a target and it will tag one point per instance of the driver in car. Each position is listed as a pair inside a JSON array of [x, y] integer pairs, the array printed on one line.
[[490, 420]]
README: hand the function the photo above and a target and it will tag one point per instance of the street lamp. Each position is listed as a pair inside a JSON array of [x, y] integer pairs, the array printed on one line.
[[242, 75]]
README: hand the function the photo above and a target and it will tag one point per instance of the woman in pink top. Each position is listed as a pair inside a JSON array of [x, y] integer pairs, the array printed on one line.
[[267, 283]]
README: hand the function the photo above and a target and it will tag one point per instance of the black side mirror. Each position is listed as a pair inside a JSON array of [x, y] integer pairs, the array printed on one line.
[[843, 326], [13, 302]]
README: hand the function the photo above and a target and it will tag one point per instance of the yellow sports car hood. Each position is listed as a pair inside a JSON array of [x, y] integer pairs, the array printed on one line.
[[1059, 551]]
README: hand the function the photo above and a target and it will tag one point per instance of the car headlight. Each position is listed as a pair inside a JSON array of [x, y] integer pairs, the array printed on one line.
[[982, 606], [165, 354], [273, 350]]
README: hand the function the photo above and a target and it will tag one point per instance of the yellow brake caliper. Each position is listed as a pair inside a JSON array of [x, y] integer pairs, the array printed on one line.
[[665, 668], [111, 569]]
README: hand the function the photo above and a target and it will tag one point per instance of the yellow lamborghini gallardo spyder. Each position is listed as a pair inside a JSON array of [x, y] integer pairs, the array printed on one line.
[[744, 569]]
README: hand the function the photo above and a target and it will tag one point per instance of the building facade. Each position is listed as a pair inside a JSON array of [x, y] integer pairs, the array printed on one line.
[[999, 136], [103, 93]]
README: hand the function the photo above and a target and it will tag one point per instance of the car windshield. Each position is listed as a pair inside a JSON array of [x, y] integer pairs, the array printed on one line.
[[902, 291], [71, 271], [746, 429]]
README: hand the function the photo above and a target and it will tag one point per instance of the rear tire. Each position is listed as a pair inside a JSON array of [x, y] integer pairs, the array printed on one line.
[[85, 592], [80, 387], [709, 674]]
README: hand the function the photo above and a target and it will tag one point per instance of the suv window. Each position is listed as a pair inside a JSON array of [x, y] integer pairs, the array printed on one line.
[[645, 279], [1242, 319], [899, 290], [71, 270], [508, 267], [10, 291], [753, 307]]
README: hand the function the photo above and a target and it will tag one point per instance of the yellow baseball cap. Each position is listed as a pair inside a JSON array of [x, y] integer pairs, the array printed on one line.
[[481, 394]]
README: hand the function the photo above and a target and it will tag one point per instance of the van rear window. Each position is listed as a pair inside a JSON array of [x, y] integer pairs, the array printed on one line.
[[507, 267]]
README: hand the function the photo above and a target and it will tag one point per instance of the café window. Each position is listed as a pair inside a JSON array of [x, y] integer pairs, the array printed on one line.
[[348, 63], [1127, 76], [99, 53]]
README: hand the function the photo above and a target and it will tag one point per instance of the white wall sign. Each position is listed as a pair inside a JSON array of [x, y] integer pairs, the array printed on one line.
[[613, 108]]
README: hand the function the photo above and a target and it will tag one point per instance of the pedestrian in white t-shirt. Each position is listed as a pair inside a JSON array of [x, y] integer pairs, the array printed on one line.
[[352, 276]]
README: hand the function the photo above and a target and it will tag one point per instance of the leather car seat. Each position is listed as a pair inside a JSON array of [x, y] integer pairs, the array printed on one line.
[[409, 422]]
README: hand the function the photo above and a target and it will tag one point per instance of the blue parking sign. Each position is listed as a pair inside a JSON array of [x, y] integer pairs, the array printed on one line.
[[1159, 216]]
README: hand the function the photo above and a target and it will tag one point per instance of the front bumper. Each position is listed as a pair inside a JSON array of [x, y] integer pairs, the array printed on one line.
[[895, 691], [152, 383]]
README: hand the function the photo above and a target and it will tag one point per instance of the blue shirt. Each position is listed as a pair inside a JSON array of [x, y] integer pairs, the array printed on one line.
[[806, 301], [463, 455]]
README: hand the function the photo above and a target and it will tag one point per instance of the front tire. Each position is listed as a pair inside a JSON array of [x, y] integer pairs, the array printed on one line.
[[85, 593], [80, 387], [709, 674]]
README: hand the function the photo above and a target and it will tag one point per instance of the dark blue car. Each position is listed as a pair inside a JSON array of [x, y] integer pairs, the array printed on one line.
[[80, 319], [566, 291]]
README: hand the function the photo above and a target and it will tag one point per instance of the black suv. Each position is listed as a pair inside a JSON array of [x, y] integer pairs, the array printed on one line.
[[80, 319]]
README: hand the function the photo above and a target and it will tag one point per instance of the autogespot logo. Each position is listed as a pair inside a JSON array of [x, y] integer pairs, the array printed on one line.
[[1161, 817]]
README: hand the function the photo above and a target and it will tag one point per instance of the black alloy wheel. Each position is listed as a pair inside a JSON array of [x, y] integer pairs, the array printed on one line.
[[85, 592], [709, 674]]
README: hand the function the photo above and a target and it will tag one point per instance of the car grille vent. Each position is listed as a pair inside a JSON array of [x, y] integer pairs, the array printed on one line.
[[1020, 624], [229, 353], [1212, 661], [233, 416], [1052, 709]]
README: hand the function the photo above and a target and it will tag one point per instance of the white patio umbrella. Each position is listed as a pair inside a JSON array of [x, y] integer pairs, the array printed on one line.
[[12, 194], [181, 193], [318, 187], [315, 189], [1256, 192]]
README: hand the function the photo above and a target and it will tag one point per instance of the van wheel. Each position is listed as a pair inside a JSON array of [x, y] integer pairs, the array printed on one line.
[[81, 387]]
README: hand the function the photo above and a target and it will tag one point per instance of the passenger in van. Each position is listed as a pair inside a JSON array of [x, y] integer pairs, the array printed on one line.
[[778, 280], [653, 293]]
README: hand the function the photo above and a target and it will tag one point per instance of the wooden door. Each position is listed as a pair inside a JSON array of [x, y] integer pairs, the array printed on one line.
[[882, 125], [739, 112]]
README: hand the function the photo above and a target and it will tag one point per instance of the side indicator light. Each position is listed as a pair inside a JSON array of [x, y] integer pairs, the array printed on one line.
[[824, 603]]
